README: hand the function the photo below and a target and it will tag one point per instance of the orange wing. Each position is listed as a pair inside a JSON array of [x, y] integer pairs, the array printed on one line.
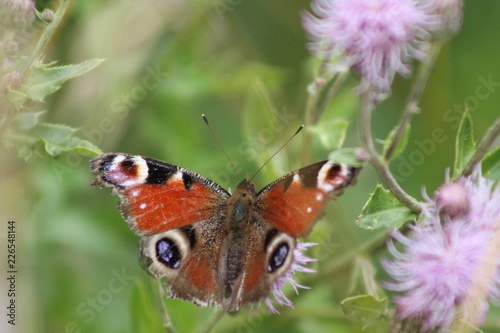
[[294, 202], [157, 196]]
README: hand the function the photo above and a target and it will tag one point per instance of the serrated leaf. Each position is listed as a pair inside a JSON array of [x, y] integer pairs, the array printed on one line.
[[383, 210], [24, 121], [55, 139], [44, 80], [331, 132], [491, 165], [464, 144], [17, 98], [401, 145], [364, 308], [349, 156], [145, 316]]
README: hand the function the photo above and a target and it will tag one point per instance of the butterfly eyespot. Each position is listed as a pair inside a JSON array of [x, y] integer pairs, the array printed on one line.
[[278, 257], [168, 253]]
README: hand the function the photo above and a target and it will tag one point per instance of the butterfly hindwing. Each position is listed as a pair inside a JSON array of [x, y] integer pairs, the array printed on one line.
[[189, 260], [269, 256]]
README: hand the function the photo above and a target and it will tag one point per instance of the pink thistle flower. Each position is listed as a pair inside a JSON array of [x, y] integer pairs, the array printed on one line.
[[300, 260], [17, 14], [451, 12], [377, 37], [298, 265], [453, 199], [443, 259]]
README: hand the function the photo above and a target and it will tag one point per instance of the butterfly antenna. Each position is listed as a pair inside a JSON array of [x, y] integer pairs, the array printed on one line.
[[301, 127], [220, 145]]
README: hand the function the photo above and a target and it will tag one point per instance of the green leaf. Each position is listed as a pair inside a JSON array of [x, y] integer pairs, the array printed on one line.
[[349, 156], [55, 139], [364, 308], [491, 165], [464, 144], [383, 210], [363, 276], [331, 132], [401, 145], [17, 98], [44, 80], [145, 316], [24, 121]]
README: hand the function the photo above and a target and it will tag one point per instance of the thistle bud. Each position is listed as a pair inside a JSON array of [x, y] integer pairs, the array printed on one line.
[[453, 198]]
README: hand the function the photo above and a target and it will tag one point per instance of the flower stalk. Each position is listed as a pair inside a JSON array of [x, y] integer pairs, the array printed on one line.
[[45, 37], [212, 321], [161, 297], [482, 148], [415, 95], [378, 162], [316, 107]]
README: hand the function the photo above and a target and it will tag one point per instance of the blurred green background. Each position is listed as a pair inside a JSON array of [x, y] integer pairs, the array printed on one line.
[[167, 62]]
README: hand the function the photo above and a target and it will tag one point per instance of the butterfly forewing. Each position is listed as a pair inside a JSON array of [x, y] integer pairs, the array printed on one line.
[[157, 196], [294, 202]]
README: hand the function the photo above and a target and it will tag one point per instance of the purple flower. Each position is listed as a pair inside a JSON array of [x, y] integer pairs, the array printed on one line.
[[377, 37], [17, 14], [298, 265], [443, 265], [451, 13], [453, 200]]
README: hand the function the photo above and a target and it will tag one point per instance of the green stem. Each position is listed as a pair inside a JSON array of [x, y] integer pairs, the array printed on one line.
[[314, 112], [329, 95], [45, 37], [7, 37], [161, 296], [312, 100], [416, 92], [365, 125], [7, 109], [368, 275], [212, 321], [483, 147], [380, 165]]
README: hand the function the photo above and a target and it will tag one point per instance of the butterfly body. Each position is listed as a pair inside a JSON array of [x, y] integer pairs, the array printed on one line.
[[217, 248]]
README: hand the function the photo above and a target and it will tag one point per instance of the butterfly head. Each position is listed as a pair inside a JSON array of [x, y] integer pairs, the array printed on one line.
[[245, 186], [240, 203]]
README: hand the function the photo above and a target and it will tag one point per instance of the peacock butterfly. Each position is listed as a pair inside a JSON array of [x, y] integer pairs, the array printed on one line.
[[214, 247]]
